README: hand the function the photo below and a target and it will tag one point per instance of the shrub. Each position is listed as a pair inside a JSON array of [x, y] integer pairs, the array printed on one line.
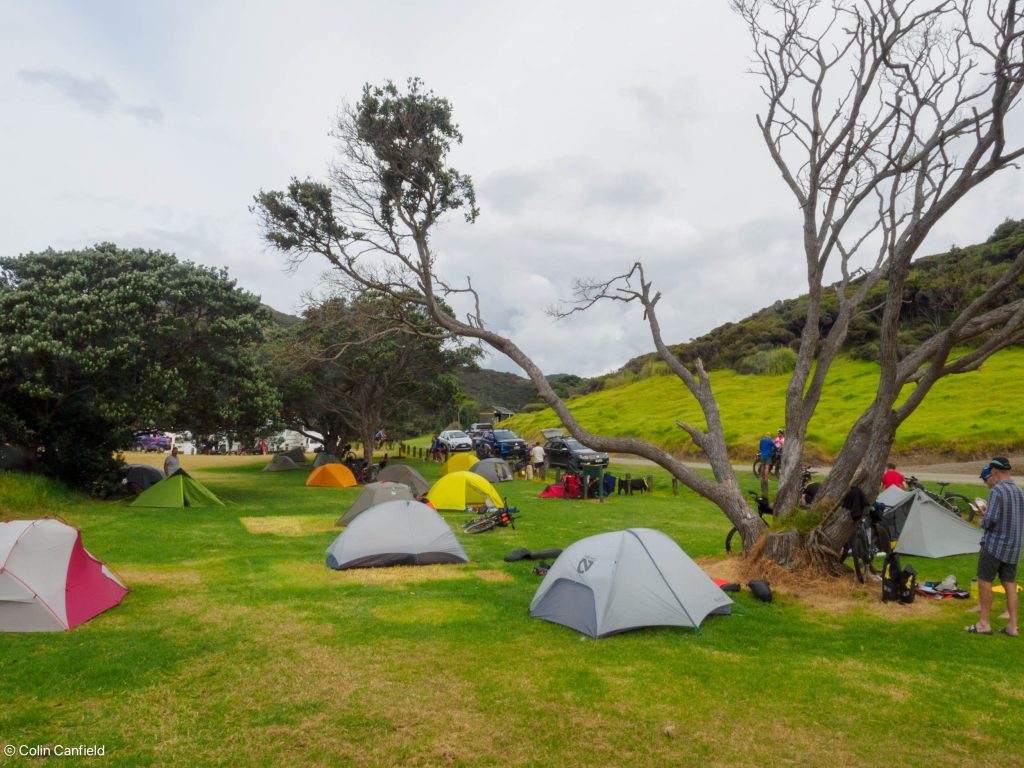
[[768, 362]]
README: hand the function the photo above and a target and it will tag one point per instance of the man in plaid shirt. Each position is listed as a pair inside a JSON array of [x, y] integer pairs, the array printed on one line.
[[1003, 524]]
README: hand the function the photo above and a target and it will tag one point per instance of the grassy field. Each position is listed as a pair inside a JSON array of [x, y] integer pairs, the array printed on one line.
[[965, 416], [237, 646]]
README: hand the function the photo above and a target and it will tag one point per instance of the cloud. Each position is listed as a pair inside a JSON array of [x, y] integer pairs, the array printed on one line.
[[93, 95]]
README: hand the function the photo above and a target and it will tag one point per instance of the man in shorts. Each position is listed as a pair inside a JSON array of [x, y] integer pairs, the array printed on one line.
[[1003, 525]]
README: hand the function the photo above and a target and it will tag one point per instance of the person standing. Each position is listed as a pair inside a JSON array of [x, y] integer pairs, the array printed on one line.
[[172, 463], [766, 449], [1003, 525], [537, 459], [892, 477]]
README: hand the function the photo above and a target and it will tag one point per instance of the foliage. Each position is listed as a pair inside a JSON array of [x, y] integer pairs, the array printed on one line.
[[228, 631], [95, 344], [355, 364], [768, 362]]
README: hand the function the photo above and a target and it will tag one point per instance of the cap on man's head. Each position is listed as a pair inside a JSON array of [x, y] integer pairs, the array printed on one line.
[[986, 473], [1000, 462]]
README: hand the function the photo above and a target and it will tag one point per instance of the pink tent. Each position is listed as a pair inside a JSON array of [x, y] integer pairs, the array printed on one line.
[[48, 580]]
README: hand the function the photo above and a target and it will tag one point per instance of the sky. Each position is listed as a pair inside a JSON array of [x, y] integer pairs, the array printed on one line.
[[596, 133]]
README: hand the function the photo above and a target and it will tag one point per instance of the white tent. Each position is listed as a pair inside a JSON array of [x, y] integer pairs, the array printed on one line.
[[395, 533], [924, 527], [618, 581], [48, 581]]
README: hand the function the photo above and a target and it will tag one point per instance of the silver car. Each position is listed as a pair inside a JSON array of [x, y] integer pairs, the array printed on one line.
[[456, 440]]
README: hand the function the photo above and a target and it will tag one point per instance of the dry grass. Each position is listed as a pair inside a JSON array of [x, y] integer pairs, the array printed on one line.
[[289, 525], [834, 596], [190, 462], [169, 576], [492, 575]]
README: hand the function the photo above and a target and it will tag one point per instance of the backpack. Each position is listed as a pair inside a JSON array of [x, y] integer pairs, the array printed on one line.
[[908, 584], [891, 578], [573, 487]]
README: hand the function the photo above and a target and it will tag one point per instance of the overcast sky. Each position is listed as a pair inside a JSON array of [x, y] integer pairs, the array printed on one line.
[[596, 133]]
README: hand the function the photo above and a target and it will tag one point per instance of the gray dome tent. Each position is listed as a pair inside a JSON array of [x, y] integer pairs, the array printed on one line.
[[139, 477], [374, 494], [395, 533], [280, 463], [494, 470], [403, 473], [615, 582], [296, 454], [924, 527], [325, 458]]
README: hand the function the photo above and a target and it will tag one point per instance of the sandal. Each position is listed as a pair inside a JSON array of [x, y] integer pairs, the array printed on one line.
[[973, 630], [1006, 631]]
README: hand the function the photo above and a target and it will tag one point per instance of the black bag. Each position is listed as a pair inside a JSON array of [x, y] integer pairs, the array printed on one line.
[[762, 591], [891, 578], [908, 584]]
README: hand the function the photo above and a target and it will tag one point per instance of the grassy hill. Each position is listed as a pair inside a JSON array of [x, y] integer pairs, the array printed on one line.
[[966, 416]]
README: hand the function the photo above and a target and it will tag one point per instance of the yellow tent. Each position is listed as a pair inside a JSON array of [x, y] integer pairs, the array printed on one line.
[[458, 462], [332, 476], [458, 490]]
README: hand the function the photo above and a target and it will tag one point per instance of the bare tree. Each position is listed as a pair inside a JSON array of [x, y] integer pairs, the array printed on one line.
[[880, 117]]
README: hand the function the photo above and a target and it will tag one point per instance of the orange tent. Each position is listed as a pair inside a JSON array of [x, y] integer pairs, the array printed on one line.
[[332, 476]]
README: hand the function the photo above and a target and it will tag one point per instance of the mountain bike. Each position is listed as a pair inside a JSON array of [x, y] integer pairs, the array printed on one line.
[[954, 502], [774, 463], [497, 518], [866, 543]]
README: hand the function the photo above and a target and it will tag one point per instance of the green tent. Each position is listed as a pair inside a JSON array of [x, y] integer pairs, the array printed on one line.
[[178, 490]]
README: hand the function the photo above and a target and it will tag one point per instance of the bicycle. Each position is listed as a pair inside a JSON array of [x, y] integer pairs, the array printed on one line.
[[498, 518], [774, 464], [960, 505], [865, 544]]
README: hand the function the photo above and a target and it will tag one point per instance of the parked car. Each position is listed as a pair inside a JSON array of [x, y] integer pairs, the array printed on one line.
[[477, 430], [152, 442], [456, 440], [570, 453], [501, 443]]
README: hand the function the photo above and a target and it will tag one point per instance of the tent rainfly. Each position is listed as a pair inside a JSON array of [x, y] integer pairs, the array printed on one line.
[[395, 533], [924, 527], [374, 494], [332, 476], [48, 581], [457, 462], [403, 473], [325, 458], [296, 454], [615, 582], [494, 470], [177, 491], [458, 490], [280, 463]]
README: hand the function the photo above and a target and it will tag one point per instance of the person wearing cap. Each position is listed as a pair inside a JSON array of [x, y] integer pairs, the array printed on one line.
[[1001, 544]]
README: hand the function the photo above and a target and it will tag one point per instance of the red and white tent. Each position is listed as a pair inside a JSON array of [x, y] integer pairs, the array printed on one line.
[[48, 581]]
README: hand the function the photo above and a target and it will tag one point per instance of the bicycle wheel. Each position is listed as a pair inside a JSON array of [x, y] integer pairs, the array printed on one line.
[[478, 526], [757, 467], [733, 535], [961, 505]]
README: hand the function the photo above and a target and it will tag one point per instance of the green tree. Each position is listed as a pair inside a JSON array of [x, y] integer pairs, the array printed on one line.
[[356, 364], [98, 343]]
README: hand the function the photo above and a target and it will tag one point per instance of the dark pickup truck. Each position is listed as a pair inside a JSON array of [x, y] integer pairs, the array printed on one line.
[[500, 443]]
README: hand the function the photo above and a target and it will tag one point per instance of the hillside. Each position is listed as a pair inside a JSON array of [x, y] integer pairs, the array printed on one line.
[[938, 287], [966, 416]]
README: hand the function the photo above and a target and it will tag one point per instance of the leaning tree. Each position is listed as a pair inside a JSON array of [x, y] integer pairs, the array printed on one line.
[[880, 117]]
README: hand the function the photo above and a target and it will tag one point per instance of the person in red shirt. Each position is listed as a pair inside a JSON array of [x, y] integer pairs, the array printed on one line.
[[892, 477]]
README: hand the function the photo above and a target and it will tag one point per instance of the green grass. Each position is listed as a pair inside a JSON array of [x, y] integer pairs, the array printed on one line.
[[965, 416], [242, 648]]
